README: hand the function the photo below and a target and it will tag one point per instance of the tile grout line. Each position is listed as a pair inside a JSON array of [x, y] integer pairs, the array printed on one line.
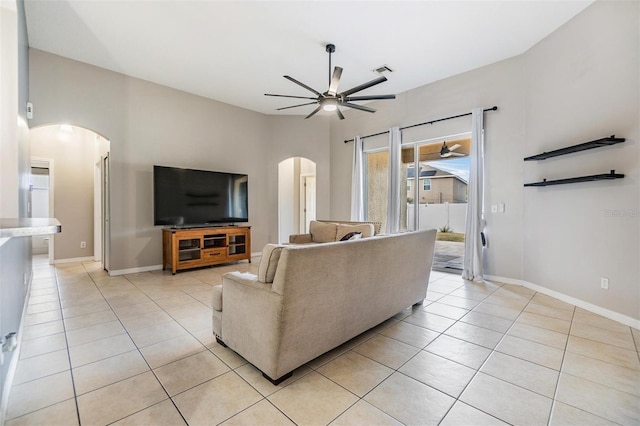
[[64, 328], [564, 354], [349, 349], [76, 396], [477, 371]]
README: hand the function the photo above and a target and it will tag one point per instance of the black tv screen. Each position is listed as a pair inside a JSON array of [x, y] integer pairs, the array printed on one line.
[[186, 197]]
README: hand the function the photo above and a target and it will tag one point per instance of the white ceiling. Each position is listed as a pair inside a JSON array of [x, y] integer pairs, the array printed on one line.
[[235, 51]]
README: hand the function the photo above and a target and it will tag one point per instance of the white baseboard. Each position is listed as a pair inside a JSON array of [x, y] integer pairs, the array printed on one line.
[[74, 260], [616, 316], [114, 273], [117, 272]]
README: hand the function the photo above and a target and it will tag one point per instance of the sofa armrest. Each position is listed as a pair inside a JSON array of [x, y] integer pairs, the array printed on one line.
[[251, 320], [300, 238], [246, 279]]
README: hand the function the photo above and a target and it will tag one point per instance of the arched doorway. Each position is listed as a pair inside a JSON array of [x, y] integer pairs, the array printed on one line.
[[296, 196], [78, 190]]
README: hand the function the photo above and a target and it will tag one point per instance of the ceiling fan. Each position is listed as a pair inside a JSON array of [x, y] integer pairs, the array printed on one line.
[[331, 99], [446, 152]]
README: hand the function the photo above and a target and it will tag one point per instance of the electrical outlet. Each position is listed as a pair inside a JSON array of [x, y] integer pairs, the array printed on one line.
[[83, 244], [604, 283]]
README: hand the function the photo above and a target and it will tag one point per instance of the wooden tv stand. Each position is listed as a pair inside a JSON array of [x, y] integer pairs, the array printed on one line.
[[197, 247]]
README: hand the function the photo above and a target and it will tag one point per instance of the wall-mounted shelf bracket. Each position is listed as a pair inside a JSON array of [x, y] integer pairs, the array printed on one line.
[[612, 140], [605, 176]]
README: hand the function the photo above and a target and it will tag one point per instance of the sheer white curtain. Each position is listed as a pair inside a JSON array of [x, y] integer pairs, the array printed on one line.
[[472, 269], [357, 181], [395, 166]]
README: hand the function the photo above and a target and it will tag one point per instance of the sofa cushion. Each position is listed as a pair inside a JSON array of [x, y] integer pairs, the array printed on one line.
[[323, 232], [216, 302], [366, 229], [269, 263]]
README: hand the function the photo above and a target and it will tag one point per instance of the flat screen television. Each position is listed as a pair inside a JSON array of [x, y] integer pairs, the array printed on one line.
[[190, 198]]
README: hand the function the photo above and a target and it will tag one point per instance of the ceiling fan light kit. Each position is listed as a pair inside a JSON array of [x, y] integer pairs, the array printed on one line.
[[331, 100]]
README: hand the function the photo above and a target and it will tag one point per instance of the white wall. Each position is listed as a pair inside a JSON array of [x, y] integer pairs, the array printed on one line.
[[583, 83], [15, 171], [498, 84], [292, 136], [9, 163], [286, 199], [73, 154], [150, 124], [580, 83]]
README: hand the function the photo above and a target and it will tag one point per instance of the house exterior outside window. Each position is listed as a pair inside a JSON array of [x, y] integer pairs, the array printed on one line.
[[426, 184]]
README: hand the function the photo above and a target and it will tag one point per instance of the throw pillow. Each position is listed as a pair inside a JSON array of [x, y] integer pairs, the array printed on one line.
[[351, 236], [323, 232], [365, 228], [269, 263]]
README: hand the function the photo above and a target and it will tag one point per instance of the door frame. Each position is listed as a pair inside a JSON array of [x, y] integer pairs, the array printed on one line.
[[48, 163], [304, 178], [105, 211]]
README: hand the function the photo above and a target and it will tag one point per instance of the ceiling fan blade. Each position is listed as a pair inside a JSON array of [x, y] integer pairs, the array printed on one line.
[[369, 98], [454, 147], [314, 111], [289, 96], [295, 106], [366, 85], [458, 154], [302, 84], [339, 113], [360, 107], [335, 80]]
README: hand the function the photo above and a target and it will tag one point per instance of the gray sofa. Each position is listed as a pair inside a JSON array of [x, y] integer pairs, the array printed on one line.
[[309, 299]]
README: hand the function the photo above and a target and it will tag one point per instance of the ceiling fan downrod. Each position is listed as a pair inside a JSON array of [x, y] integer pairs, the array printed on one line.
[[330, 48]]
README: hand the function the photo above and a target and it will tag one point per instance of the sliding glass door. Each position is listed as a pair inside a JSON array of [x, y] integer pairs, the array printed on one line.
[[434, 194]]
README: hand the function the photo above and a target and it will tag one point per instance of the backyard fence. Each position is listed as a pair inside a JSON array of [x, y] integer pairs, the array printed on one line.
[[439, 215]]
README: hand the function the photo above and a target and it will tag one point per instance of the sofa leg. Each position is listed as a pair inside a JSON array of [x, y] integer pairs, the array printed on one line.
[[276, 382], [418, 303], [220, 342]]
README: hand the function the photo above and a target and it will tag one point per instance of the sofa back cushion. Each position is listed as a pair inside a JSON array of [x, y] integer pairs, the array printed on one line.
[[366, 230], [269, 263], [323, 232]]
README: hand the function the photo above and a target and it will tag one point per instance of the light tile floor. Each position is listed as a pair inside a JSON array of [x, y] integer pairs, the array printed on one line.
[[138, 350]]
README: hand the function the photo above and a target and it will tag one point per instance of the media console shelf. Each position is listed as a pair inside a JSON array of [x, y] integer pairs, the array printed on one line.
[[598, 143], [197, 247]]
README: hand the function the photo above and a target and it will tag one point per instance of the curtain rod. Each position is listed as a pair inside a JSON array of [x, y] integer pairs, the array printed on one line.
[[494, 108]]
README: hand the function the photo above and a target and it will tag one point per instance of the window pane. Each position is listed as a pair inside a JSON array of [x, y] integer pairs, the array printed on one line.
[[377, 164]]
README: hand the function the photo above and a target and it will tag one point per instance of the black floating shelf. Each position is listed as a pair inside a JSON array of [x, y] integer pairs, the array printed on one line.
[[605, 176], [612, 140]]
